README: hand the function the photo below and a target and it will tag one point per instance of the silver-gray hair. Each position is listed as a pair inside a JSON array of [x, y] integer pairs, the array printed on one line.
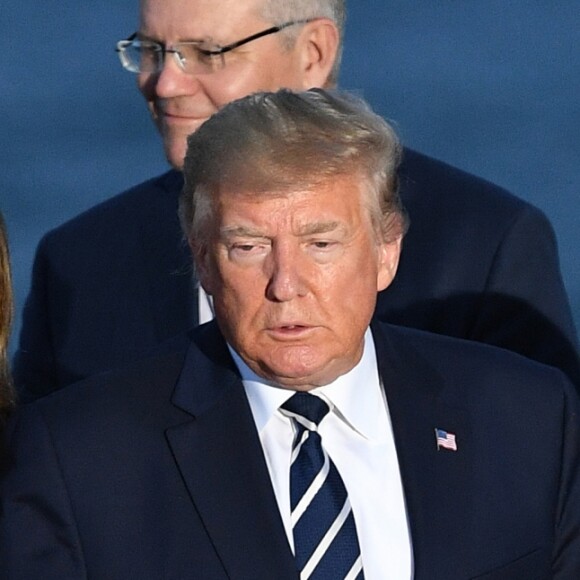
[[274, 143], [281, 11]]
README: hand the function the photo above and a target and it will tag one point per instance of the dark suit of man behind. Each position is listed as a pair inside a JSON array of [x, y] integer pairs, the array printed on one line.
[[157, 472], [113, 283], [477, 263], [161, 470]]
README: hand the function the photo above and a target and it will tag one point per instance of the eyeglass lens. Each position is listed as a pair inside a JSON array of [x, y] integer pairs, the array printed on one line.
[[140, 56]]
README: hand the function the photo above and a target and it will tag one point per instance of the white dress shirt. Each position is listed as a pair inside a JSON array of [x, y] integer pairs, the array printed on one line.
[[205, 311], [357, 435]]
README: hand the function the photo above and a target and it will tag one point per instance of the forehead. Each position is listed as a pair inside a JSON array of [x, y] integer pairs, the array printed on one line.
[[339, 200], [186, 19]]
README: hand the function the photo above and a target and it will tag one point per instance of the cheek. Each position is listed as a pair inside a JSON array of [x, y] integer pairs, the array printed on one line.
[[222, 93], [243, 81], [237, 292], [357, 287], [239, 315]]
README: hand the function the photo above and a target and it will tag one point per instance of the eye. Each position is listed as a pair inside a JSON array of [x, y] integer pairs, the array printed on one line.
[[247, 250], [147, 52], [324, 251], [191, 54], [207, 57], [323, 245], [244, 247]]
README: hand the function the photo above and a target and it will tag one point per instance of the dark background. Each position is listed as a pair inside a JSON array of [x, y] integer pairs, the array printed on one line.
[[488, 85]]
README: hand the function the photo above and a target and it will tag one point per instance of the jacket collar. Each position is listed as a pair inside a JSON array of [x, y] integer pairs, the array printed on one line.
[[435, 481], [220, 457]]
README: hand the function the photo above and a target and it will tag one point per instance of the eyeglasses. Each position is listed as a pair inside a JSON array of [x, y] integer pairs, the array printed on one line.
[[193, 57]]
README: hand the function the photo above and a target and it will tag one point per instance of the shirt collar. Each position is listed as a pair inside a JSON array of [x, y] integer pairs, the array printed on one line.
[[356, 397]]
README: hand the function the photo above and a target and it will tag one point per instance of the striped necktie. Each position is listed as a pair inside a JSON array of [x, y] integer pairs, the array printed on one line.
[[325, 541]]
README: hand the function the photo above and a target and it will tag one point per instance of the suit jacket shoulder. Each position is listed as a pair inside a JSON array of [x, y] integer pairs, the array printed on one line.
[[152, 471], [107, 287], [513, 471], [115, 212], [479, 263], [166, 454]]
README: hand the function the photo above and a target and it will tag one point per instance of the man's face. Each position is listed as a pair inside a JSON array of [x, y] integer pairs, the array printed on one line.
[[179, 103], [294, 279]]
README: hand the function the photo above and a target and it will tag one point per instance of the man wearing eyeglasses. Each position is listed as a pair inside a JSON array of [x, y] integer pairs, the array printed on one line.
[[114, 283]]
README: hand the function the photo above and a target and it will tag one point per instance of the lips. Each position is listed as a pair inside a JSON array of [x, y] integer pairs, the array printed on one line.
[[182, 109], [290, 330], [180, 118], [289, 325]]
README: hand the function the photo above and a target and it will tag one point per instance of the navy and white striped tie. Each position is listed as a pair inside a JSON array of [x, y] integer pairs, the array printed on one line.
[[325, 542]]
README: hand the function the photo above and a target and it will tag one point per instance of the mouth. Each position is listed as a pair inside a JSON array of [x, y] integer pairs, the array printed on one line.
[[290, 331], [172, 119]]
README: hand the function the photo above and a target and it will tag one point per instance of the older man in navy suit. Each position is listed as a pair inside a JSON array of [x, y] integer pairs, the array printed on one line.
[[110, 285], [291, 439]]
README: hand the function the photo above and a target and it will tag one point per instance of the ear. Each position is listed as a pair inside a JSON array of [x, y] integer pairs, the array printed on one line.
[[318, 49], [203, 270], [389, 254]]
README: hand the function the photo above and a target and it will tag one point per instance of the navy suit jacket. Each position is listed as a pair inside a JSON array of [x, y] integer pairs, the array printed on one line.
[[157, 471], [477, 263]]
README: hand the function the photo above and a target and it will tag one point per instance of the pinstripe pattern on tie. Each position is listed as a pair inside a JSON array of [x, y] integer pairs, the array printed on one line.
[[325, 540]]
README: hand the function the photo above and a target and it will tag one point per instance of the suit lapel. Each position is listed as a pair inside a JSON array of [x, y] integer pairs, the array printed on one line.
[[436, 482], [221, 461], [220, 458]]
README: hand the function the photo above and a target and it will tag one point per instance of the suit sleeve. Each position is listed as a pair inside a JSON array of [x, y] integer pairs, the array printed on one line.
[[566, 560], [38, 534], [34, 365], [525, 307]]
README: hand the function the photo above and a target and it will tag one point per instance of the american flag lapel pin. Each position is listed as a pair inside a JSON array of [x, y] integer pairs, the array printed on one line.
[[445, 440]]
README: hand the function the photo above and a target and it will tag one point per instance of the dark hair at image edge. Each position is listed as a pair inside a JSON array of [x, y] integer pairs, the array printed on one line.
[[7, 397]]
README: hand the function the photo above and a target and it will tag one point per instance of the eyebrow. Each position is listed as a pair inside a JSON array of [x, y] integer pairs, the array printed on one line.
[[305, 230], [241, 231], [148, 38], [320, 228]]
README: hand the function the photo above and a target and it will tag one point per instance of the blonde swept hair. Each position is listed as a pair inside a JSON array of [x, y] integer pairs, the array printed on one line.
[[283, 141]]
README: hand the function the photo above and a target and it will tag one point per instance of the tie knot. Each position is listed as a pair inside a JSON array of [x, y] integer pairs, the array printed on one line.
[[311, 407]]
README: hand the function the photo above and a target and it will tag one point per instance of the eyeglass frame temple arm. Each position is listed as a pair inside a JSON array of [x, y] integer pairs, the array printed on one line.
[[228, 47], [271, 30]]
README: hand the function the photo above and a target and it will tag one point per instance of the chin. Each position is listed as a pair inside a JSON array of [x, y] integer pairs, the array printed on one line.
[[300, 375], [175, 157], [175, 145]]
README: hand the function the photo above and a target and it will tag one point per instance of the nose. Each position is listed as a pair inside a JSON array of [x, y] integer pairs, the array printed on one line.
[[286, 275]]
